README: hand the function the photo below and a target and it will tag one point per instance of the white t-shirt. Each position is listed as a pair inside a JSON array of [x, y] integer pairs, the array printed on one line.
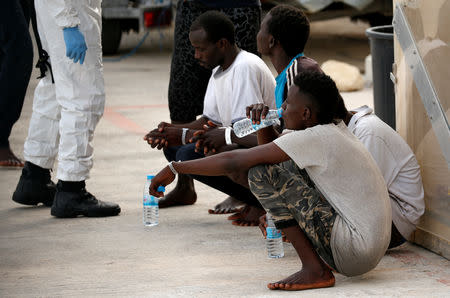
[[398, 165], [246, 81], [348, 177]]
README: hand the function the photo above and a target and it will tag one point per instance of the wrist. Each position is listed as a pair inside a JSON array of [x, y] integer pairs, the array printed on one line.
[[183, 135], [75, 28], [233, 137], [172, 169], [228, 132]]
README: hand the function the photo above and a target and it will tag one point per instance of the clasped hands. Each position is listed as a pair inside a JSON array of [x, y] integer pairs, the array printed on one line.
[[208, 140]]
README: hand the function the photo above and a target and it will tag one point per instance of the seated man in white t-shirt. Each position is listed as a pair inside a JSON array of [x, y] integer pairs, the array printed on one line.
[[239, 79], [319, 183], [397, 163]]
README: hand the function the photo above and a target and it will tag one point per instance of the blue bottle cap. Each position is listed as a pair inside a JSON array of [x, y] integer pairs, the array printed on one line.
[[161, 188], [150, 177]]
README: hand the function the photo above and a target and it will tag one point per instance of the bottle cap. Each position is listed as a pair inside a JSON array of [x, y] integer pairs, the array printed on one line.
[[150, 177], [161, 188]]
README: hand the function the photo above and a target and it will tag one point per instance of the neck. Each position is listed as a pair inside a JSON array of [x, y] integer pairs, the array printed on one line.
[[280, 59], [230, 56], [348, 117]]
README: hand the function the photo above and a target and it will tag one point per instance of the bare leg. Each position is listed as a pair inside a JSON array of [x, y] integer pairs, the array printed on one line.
[[229, 205], [183, 194], [314, 273], [8, 159]]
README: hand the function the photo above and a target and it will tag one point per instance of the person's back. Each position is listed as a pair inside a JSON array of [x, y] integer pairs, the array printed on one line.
[[398, 165]]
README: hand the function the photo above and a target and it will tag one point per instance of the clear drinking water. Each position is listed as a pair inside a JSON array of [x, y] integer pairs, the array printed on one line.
[[150, 205], [274, 241], [245, 126]]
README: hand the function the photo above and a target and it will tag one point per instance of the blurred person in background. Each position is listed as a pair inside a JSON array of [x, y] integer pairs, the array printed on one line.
[[16, 62]]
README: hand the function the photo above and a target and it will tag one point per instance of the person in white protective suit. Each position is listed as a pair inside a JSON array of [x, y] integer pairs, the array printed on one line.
[[66, 113]]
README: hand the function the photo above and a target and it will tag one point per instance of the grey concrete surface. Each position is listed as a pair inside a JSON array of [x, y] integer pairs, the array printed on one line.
[[190, 253]]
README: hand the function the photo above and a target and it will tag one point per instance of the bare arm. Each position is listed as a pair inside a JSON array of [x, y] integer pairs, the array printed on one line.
[[170, 134], [195, 125], [267, 135], [256, 112], [248, 141], [227, 163]]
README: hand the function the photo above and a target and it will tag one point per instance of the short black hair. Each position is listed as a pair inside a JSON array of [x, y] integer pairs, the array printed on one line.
[[216, 25], [290, 26], [321, 90]]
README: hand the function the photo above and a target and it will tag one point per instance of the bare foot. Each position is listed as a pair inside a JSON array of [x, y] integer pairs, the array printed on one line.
[[183, 194], [249, 216], [8, 159], [303, 280], [229, 205]]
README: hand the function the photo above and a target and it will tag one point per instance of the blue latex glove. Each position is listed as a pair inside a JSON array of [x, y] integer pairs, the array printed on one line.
[[75, 44]]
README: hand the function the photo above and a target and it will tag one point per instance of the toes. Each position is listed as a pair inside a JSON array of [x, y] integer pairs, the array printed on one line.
[[236, 223], [243, 223], [272, 286], [235, 216], [220, 211], [239, 222], [11, 162]]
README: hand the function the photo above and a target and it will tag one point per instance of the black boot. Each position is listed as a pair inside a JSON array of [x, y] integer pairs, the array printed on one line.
[[35, 186], [72, 199]]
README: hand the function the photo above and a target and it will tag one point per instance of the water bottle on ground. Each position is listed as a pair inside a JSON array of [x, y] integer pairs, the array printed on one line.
[[245, 126], [274, 241], [151, 209]]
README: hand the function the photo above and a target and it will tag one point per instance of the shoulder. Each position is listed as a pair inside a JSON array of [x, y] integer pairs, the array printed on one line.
[[301, 64], [246, 60], [372, 125], [373, 129]]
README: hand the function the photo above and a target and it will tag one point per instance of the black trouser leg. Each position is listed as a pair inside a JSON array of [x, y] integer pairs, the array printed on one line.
[[221, 183], [16, 62]]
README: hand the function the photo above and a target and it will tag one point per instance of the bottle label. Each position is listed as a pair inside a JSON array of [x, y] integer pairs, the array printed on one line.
[[150, 200], [273, 233]]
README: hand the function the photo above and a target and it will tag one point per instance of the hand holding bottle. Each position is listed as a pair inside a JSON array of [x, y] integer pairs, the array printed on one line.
[[256, 112]]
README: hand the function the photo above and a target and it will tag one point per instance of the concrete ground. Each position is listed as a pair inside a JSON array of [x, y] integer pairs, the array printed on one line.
[[190, 253]]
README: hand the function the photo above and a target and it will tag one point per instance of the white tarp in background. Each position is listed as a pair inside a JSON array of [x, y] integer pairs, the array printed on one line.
[[317, 5]]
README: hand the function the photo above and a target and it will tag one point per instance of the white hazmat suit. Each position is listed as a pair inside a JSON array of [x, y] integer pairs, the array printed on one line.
[[66, 113]]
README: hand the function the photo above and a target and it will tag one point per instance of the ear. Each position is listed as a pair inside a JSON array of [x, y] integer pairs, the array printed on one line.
[[222, 43], [306, 113], [272, 42]]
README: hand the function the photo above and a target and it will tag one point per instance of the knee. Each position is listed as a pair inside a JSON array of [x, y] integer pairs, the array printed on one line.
[[258, 177], [170, 153], [187, 152]]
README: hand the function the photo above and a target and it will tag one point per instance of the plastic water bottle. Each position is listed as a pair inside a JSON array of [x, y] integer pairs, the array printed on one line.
[[274, 241], [151, 209], [245, 126]]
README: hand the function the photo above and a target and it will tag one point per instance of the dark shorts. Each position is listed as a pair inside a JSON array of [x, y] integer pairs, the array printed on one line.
[[287, 192], [188, 80]]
